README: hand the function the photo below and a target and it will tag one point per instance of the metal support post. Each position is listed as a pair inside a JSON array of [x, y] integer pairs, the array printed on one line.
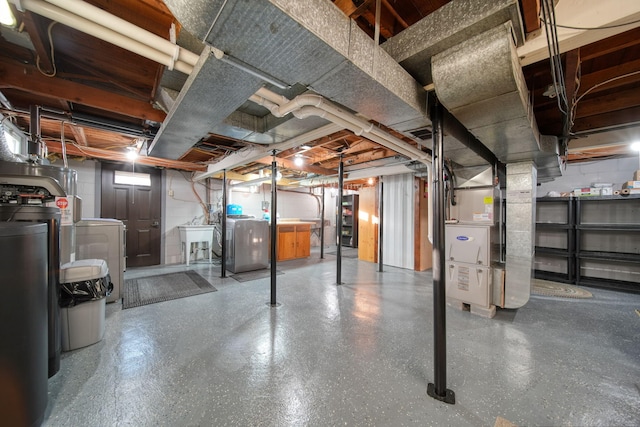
[[438, 389], [274, 229], [380, 222], [322, 226], [223, 226], [339, 222]]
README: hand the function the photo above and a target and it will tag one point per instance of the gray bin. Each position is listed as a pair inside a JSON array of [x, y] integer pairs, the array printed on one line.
[[85, 285]]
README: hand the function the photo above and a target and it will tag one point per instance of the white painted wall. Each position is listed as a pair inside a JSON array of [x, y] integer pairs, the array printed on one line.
[[88, 185], [578, 175], [180, 206], [301, 204]]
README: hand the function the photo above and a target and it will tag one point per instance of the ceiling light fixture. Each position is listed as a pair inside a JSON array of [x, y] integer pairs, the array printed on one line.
[[635, 146], [132, 152], [370, 181], [298, 160], [6, 16]]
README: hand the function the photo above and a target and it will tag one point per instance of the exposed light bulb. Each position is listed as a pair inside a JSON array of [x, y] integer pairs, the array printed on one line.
[[370, 181], [132, 154], [635, 146], [298, 161]]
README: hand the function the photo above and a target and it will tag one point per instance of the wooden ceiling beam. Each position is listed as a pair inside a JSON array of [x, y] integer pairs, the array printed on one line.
[[369, 156], [289, 164], [611, 44], [590, 80], [99, 153], [37, 30], [28, 79], [609, 102], [531, 15], [606, 120], [572, 65], [78, 134]]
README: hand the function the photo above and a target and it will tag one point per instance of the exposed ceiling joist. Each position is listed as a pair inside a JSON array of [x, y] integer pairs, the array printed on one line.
[[29, 79]]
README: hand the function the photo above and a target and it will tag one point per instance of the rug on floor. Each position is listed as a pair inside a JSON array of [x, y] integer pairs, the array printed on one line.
[[254, 275], [165, 287], [556, 289]]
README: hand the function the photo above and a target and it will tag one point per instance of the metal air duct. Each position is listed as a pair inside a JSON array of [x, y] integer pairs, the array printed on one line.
[[480, 81], [309, 44]]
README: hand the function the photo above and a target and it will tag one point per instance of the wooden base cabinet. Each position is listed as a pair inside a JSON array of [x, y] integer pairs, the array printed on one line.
[[294, 241]]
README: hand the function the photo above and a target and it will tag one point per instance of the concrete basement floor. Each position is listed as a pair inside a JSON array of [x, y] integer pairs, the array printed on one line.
[[358, 354]]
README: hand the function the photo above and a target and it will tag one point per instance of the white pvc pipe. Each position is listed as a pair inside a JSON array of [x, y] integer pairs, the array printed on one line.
[[281, 106], [74, 21], [126, 28]]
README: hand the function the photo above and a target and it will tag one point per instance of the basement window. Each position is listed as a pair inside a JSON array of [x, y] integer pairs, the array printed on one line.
[[132, 178]]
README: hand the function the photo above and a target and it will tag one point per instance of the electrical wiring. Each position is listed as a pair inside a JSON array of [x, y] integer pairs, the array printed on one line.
[[53, 57], [606, 82], [557, 72], [604, 27]]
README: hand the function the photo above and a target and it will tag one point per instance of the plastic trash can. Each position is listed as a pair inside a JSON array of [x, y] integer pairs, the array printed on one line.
[[84, 285]]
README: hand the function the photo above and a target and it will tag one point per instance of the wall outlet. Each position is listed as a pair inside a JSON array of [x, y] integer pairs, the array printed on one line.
[[170, 193]]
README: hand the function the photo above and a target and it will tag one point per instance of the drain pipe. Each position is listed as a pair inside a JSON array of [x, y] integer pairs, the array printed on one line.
[[307, 105], [72, 20], [127, 29]]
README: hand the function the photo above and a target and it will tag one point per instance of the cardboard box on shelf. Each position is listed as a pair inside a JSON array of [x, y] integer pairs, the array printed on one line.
[[587, 191], [631, 184], [636, 175]]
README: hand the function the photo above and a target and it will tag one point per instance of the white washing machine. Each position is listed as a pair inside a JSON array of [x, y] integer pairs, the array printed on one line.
[[104, 238]]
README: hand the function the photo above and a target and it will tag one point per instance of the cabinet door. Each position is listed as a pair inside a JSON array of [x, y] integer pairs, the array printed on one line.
[[286, 242], [303, 241]]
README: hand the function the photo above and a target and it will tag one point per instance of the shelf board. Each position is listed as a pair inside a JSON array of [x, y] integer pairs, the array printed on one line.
[[609, 284], [609, 227], [609, 256], [557, 226], [553, 251]]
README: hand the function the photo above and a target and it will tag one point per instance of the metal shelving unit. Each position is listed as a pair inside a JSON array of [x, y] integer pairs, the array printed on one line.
[[555, 239], [591, 241], [349, 232], [608, 242]]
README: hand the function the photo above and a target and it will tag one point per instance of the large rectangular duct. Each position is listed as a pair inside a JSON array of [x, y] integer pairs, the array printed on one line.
[[481, 83], [448, 26], [212, 92], [310, 43]]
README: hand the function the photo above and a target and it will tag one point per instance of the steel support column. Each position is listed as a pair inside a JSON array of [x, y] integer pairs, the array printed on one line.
[[322, 227], [380, 222], [223, 226], [438, 389], [274, 229], [339, 221]]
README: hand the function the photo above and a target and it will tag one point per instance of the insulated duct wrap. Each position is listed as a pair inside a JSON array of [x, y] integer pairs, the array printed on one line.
[[5, 153], [520, 226]]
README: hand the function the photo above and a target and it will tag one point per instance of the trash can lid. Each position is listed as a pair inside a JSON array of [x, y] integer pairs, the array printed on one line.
[[85, 269]]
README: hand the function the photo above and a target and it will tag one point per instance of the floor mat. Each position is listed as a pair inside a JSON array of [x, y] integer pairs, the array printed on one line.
[[165, 287], [254, 275], [555, 289]]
